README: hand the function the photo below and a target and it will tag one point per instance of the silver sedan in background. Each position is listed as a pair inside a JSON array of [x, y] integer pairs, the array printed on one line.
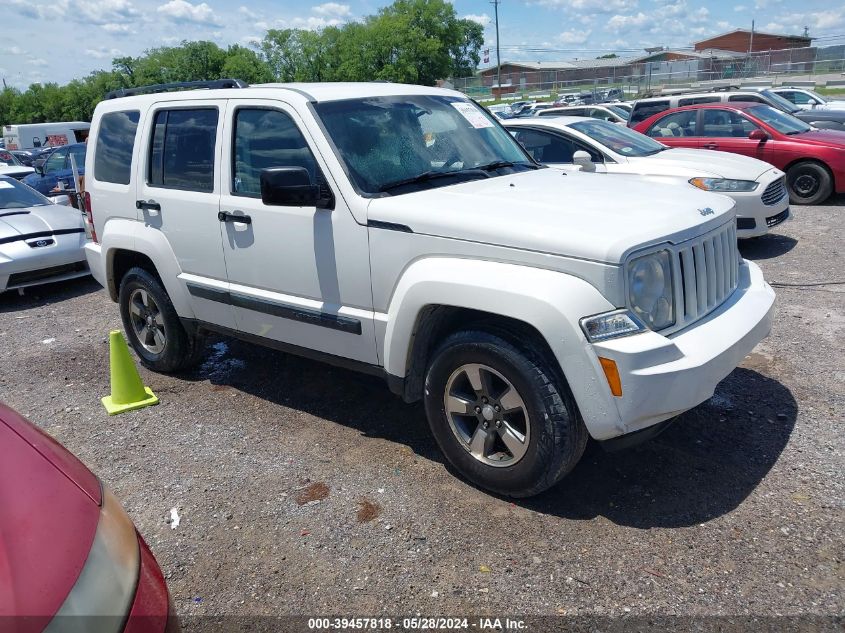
[[40, 241]]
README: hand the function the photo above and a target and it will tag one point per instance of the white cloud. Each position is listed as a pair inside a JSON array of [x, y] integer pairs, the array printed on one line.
[[113, 27], [248, 13], [34, 11], [13, 50], [37, 61], [332, 9], [104, 11], [103, 52], [574, 37], [313, 23], [483, 19], [592, 6], [250, 40], [183, 11], [627, 22]]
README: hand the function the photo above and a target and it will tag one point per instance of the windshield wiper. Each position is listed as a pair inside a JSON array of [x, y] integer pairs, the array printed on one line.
[[427, 176], [504, 163]]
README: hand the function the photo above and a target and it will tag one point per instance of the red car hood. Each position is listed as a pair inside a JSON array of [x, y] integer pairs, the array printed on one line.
[[50, 510], [830, 138]]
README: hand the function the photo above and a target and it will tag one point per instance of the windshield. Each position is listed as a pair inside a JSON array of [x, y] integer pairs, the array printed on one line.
[[781, 102], [780, 121], [7, 158], [393, 144], [617, 138], [15, 195], [619, 111], [815, 95]]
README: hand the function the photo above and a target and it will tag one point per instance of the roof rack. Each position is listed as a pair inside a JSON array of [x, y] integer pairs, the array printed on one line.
[[214, 84]]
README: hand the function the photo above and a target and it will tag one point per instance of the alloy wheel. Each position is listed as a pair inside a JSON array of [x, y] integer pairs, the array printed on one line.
[[487, 415], [147, 321]]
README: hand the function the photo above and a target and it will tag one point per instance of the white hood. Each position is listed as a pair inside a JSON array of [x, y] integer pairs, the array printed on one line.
[[564, 213], [704, 162]]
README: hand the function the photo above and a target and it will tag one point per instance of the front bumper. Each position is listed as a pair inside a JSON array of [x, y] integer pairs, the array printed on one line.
[[22, 265], [753, 218], [665, 376]]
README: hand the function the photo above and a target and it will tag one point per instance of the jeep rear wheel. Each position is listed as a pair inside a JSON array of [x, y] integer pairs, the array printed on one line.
[[152, 326], [500, 415]]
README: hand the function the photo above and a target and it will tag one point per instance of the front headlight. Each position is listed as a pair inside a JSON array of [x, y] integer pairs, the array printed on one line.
[[723, 185], [650, 289]]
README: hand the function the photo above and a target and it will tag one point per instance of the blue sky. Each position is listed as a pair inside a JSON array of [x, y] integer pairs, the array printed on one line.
[[59, 40]]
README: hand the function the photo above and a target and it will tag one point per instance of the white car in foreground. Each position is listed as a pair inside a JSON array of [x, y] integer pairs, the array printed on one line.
[[577, 143], [40, 241]]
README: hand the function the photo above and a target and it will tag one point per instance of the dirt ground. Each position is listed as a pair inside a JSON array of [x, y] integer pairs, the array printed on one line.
[[309, 490]]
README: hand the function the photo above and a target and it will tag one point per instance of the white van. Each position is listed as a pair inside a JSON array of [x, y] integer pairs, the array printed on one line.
[[34, 135]]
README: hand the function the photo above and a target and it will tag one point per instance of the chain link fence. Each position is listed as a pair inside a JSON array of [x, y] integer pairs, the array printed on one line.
[[823, 66]]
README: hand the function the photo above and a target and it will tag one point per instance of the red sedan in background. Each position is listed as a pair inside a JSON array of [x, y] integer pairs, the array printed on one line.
[[70, 557], [813, 159]]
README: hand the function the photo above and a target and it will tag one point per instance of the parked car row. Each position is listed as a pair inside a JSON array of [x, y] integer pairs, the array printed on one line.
[[793, 129]]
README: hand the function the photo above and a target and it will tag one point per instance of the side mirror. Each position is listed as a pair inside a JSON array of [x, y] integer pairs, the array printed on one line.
[[758, 135], [291, 187], [39, 165], [583, 160]]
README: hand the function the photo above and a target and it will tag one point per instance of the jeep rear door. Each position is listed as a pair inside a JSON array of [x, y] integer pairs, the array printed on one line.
[[298, 275], [178, 195]]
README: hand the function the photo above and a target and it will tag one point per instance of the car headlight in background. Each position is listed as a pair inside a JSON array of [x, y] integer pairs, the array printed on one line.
[[650, 294], [723, 185]]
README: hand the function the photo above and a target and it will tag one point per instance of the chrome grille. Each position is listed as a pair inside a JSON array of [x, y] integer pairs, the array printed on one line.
[[706, 270], [774, 192]]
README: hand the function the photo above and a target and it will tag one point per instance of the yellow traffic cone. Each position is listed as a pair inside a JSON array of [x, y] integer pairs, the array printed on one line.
[[127, 391]]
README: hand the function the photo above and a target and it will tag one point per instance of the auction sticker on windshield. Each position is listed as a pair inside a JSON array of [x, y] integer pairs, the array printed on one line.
[[472, 114]]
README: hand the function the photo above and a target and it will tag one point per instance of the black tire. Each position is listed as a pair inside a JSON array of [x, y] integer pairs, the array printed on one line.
[[180, 350], [808, 183], [556, 437]]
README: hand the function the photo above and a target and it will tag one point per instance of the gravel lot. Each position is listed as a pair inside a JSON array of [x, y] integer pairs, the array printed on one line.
[[309, 490]]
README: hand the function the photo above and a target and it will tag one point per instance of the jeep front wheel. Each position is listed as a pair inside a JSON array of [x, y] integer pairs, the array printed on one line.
[[500, 415], [152, 326]]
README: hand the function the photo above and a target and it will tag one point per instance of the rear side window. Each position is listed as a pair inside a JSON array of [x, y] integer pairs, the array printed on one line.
[[695, 100], [115, 142], [644, 110], [747, 98], [264, 139], [675, 124], [182, 150]]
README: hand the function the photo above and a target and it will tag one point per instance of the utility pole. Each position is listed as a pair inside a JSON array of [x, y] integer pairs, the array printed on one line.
[[495, 4], [751, 40]]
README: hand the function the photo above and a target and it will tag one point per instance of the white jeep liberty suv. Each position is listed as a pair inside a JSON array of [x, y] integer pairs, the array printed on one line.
[[400, 230]]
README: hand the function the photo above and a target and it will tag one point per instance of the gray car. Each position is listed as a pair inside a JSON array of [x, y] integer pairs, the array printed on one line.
[[40, 241]]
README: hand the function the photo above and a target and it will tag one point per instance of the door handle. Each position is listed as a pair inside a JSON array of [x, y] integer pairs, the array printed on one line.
[[149, 205], [225, 216], [710, 146]]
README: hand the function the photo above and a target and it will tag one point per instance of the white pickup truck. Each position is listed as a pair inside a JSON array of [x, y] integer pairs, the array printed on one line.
[[401, 231]]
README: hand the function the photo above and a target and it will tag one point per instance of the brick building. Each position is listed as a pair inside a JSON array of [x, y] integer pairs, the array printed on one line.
[[740, 40]]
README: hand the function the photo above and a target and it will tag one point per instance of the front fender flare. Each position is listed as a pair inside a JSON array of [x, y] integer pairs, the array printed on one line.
[[552, 302]]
